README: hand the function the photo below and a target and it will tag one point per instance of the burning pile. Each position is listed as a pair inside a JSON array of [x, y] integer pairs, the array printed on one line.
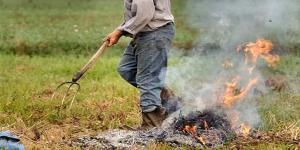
[[236, 89], [198, 129], [207, 128]]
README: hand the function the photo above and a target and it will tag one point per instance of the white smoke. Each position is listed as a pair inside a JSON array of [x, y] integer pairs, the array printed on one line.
[[231, 22]]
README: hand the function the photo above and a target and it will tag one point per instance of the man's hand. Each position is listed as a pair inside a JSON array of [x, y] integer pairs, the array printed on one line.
[[113, 37]]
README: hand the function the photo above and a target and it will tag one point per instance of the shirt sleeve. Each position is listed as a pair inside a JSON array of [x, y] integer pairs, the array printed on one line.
[[144, 11]]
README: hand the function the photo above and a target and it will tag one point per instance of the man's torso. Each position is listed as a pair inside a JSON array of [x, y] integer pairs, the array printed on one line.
[[161, 17]]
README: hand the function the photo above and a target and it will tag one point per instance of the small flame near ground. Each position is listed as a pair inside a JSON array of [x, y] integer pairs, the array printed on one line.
[[245, 129], [202, 140], [192, 130]]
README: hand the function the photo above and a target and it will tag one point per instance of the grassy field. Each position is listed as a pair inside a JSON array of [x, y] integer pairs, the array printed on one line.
[[73, 27], [104, 102], [42, 43]]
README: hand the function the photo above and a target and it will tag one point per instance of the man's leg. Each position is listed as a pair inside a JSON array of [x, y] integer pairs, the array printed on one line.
[[152, 53], [128, 65], [152, 57]]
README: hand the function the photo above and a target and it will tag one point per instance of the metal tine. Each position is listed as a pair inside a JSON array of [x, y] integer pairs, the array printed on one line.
[[65, 95], [78, 89], [58, 87], [67, 92]]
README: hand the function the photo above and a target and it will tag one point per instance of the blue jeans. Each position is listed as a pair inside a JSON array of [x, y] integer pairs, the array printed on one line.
[[144, 64]]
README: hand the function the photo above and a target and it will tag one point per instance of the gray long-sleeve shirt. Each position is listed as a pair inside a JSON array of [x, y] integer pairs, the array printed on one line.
[[145, 15]]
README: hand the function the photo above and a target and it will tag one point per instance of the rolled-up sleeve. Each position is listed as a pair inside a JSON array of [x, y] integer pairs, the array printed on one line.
[[143, 13]]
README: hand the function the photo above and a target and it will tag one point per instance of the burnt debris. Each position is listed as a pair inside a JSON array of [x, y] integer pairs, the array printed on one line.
[[210, 130], [207, 119]]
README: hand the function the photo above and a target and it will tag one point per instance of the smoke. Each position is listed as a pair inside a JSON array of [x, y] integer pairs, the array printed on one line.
[[231, 22], [200, 77]]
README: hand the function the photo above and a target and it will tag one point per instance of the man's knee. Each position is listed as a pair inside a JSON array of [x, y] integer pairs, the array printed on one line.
[[122, 71], [128, 75]]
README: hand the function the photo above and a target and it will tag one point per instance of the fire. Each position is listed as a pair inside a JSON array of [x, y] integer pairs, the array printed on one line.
[[233, 94], [233, 91], [202, 140], [193, 131], [245, 129], [190, 129], [271, 59], [261, 48]]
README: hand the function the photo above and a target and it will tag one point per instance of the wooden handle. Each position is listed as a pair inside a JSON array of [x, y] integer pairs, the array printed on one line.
[[91, 62]]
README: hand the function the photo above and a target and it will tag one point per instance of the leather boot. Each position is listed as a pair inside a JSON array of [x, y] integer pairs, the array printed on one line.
[[166, 94], [170, 101], [154, 118]]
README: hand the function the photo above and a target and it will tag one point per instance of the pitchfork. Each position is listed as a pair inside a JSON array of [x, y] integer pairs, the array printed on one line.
[[79, 74]]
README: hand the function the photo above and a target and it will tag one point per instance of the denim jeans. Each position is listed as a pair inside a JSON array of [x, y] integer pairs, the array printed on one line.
[[144, 64]]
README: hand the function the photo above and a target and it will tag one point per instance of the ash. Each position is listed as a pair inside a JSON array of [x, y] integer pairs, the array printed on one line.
[[216, 134]]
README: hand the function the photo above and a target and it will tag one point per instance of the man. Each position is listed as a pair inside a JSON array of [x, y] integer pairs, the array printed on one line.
[[144, 63]]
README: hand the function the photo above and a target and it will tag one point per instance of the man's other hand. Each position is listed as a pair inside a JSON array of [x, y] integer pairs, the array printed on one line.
[[113, 37]]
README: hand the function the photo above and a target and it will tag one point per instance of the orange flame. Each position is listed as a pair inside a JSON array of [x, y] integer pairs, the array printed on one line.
[[231, 96], [190, 129], [271, 59], [245, 129], [193, 131], [261, 48], [233, 93], [202, 140]]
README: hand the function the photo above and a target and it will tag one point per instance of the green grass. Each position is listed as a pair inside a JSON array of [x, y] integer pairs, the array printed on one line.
[[70, 26], [30, 27], [27, 84]]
